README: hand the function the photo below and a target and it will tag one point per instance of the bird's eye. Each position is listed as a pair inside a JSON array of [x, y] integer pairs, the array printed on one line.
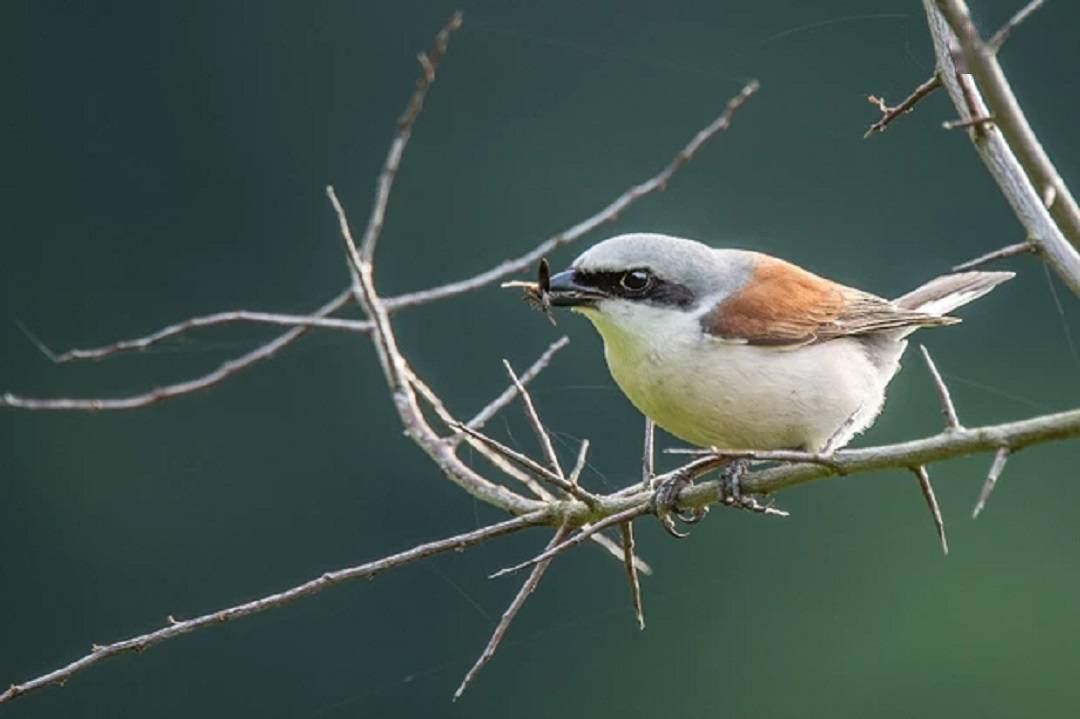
[[636, 280]]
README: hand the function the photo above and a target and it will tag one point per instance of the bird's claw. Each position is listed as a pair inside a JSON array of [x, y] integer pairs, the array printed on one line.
[[666, 496], [665, 500], [730, 490]]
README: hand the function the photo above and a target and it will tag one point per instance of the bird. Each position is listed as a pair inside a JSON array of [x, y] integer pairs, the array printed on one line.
[[739, 350]]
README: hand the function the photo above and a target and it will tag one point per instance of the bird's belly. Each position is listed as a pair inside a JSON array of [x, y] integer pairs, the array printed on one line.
[[746, 397]]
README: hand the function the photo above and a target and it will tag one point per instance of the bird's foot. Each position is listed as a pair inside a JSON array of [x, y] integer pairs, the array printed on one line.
[[665, 504], [730, 490]]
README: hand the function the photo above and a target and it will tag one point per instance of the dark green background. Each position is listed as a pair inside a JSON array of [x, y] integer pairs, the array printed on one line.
[[169, 160]]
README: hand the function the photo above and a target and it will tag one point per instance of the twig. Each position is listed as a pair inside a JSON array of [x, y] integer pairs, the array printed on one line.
[[648, 454], [931, 502], [888, 114], [626, 532], [429, 64], [1021, 15], [948, 409], [996, 468], [313, 586], [510, 393], [1020, 248], [223, 372], [617, 518], [518, 601], [579, 465], [533, 416], [1012, 152], [139, 344]]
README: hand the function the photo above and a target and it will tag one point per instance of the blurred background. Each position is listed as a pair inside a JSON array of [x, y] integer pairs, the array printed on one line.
[[169, 160]]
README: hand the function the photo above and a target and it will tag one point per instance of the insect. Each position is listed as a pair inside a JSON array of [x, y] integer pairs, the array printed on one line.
[[537, 294]]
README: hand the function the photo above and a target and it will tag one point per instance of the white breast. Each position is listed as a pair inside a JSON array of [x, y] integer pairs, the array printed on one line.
[[714, 393]]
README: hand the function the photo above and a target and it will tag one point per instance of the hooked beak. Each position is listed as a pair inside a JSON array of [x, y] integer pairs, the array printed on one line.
[[565, 292]]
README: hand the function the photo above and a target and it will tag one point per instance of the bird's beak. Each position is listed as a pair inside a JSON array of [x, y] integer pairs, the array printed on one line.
[[565, 292]]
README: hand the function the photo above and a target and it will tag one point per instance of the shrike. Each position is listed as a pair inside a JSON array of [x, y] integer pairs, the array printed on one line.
[[739, 350]]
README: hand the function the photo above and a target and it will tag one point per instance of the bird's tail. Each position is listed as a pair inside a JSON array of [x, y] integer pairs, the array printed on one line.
[[944, 294]]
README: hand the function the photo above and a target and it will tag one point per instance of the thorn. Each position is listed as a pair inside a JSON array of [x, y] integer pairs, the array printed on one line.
[[41, 346], [1049, 195], [948, 409], [970, 122], [991, 479], [932, 503]]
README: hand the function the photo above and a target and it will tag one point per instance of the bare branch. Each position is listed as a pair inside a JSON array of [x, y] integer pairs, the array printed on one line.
[[948, 409], [626, 531], [223, 372], [313, 586], [533, 416], [518, 601], [888, 114], [931, 502], [1009, 148], [991, 480], [586, 532], [1020, 248], [1021, 15]]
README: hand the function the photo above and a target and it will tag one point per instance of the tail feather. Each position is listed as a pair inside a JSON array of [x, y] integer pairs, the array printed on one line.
[[944, 294]]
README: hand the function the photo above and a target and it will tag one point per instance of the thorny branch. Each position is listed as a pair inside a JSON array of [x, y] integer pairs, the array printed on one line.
[[577, 514], [1008, 147]]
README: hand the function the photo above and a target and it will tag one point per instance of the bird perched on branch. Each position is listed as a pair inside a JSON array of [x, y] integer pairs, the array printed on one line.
[[739, 350]]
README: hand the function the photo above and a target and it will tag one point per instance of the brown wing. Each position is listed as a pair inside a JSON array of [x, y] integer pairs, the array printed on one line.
[[784, 305]]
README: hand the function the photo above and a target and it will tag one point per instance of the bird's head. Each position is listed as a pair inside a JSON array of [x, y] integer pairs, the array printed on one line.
[[641, 282]]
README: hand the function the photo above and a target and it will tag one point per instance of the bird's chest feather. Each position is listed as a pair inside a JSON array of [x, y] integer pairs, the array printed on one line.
[[714, 393]]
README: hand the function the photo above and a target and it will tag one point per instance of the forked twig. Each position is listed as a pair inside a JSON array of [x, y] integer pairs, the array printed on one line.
[[158, 394], [527, 588], [586, 532], [888, 114]]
